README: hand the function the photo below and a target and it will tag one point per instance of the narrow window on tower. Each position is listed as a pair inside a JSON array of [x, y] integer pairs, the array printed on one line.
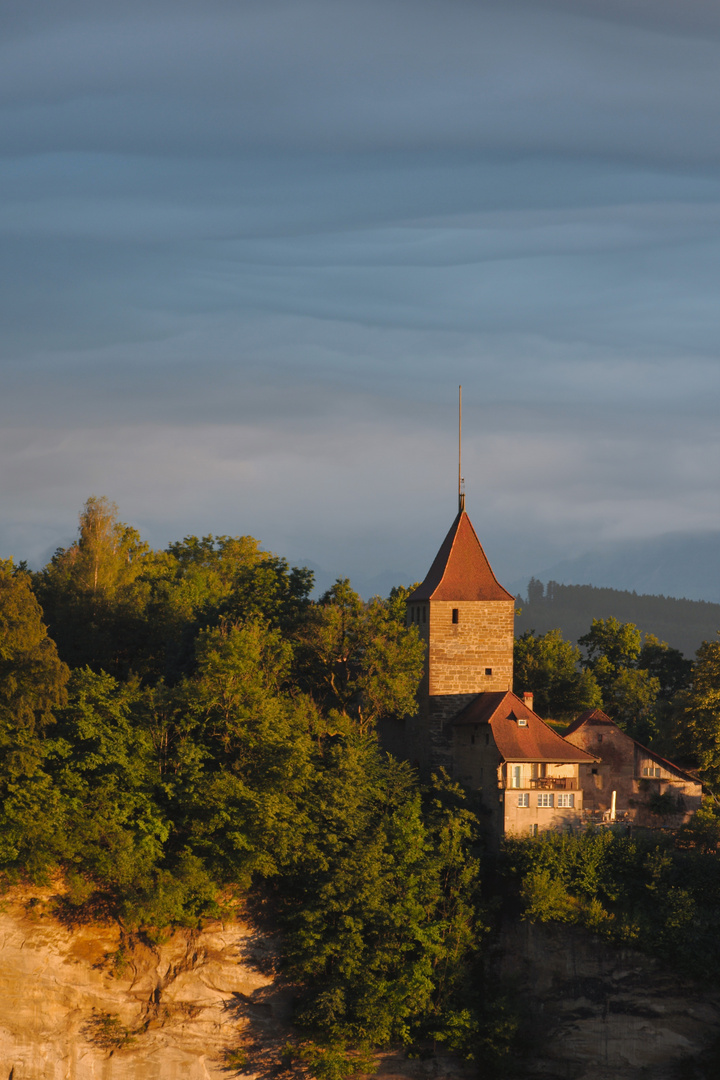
[[456, 613], [424, 611]]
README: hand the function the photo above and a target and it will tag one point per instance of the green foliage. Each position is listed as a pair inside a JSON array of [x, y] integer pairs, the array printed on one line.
[[658, 895], [668, 666], [397, 601], [242, 755], [91, 592], [702, 831], [610, 646], [630, 692], [106, 1031], [550, 667], [32, 678], [33, 685], [114, 605], [380, 916], [683, 623], [631, 700], [225, 579], [702, 714], [358, 661]]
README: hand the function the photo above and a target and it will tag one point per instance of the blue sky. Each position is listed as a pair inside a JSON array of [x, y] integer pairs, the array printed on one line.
[[248, 250]]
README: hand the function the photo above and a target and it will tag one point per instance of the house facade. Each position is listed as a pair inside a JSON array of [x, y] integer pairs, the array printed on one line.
[[648, 789], [528, 776]]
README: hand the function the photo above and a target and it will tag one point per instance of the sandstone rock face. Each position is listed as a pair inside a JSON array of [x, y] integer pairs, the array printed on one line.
[[601, 1013], [80, 1003]]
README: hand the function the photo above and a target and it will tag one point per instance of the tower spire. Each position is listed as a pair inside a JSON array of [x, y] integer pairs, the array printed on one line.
[[461, 482]]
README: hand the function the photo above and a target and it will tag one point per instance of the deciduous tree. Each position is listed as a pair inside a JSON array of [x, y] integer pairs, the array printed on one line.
[[549, 666]]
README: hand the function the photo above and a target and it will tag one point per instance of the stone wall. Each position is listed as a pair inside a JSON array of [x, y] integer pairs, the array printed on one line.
[[621, 770], [459, 654]]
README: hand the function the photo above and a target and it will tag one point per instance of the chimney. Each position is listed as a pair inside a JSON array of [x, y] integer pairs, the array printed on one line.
[[528, 699]]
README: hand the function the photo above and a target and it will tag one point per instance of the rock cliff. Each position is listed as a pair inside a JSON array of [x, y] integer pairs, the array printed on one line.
[[82, 1002], [86, 1002], [596, 1012]]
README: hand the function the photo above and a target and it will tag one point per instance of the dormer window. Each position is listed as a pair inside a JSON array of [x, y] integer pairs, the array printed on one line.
[[522, 721]]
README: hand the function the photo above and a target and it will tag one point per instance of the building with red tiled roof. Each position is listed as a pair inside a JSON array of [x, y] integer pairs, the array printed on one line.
[[528, 775], [635, 774], [468, 719], [465, 617], [470, 722]]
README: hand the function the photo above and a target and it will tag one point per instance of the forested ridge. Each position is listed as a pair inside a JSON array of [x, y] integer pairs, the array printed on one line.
[[184, 733], [684, 624]]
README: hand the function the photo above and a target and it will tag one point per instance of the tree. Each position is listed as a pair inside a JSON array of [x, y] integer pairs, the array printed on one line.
[[231, 577], [241, 751], [667, 665], [610, 646], [93, 595], [33, 684], [197, 583], [535, 591], [357, 660], [549, 667], [380, 918], [702, 714], [397, 601], [631, 699], [32, 677]]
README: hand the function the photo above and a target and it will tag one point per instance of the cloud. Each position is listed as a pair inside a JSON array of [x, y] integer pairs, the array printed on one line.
[[328, 74], [248, 250]]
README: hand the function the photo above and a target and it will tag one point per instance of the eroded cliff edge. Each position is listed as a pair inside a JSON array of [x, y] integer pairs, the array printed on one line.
[[84, 1001]]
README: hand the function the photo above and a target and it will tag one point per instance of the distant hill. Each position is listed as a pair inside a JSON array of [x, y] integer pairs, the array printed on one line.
[[684, 624], [675, 564]]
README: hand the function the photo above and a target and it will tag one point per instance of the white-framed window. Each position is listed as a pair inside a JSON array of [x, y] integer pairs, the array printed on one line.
[[566, 799], [649, 770], [546, 798], [524, 798], [522, 721], [516, 776]]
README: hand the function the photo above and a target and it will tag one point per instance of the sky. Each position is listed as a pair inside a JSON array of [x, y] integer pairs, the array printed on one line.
[[250, 248]]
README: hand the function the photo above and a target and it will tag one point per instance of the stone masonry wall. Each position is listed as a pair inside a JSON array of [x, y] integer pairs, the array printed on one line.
[[459, 654]]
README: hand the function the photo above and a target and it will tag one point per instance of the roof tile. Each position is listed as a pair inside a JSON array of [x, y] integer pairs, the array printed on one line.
[[535, 742], [461, 570]]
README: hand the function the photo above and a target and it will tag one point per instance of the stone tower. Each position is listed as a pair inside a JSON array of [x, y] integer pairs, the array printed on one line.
[[466, 619]]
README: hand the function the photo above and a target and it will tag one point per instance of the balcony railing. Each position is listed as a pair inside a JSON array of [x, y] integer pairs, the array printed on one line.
[[554, 783]]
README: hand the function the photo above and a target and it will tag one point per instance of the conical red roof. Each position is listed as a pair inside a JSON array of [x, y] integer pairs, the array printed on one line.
[[460, 570]]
